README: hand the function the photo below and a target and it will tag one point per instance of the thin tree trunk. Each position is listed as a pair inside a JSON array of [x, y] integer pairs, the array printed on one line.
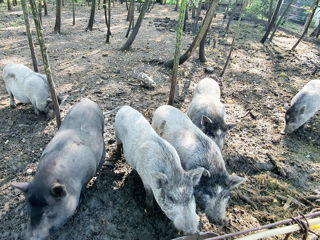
[[45, 60], [185, 18], [177, 5], [62, 2], [234, 38], [40, 10], [195, 27], [280, 19], [31, 46], [196, 42], [131, 6], [134, 33], [99, 4], [57, 26], [273, 19], [316, 31], [202, 56], [91, 19], [9, 5], [230, 19], [270, 12], [14, 2], [45, 7], [73, 13], [313, 10], [177, 51], [109, 22]]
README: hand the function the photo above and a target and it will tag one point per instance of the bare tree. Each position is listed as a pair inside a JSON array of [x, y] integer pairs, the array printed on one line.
[[195, 26], [313, 10], [40, 10], [270, 11], [196, 42], [92, 12], [280, 19], [45, 60], [177, 51], [135, 31], [29, 36], [73, 13], [107, 18], [130, 17], [45, 7], [273, 19], [57, 25], [177, 5], [227, 10]]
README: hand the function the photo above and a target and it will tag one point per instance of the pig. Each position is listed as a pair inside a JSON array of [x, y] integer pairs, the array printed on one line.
[[196, 149], [207, 112], [303, 106], [159, 168], [68, 162], [28, 87]]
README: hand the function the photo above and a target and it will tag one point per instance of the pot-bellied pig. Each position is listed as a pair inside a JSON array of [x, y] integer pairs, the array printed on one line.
[[207, 112], [195, 149], [303, 106], [68, 162], [28, 87], [159, 168]]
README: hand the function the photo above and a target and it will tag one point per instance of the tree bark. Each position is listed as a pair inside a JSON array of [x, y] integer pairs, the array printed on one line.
[[227, 10], [45, 7], [177, 5], [185, 17], [134, 33], [195, 27], [273, 19], [57, 26], [230, 19], [9, 5], [107, 18], [45, 60], [202, 56], [91, 19], [40, 10], [196, 42], [31, 46], [270, 12], [177, 51], [73, 13], [280, 19], [313, 10]]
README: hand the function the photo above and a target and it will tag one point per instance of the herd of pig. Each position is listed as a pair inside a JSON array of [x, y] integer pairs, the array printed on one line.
[[178, 157]]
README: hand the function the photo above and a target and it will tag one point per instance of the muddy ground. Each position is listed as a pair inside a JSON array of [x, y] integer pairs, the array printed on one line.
[[281, 171]]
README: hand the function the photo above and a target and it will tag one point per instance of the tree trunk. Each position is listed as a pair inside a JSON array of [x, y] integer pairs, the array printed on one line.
[[270, 11], [57, 26], [234, 38], [40, 10], [31, 46], [177, 51], [313, 10], [45, 60], [316, 31], [9, 5], [131, 8], [195, 27], [185, 18], [196, 42], [45, 7], [273, 19], [134, 33], [73, 13], [91, 19], [280, 19], [177, 5], [14, 2], [108, 18], [202, 56]]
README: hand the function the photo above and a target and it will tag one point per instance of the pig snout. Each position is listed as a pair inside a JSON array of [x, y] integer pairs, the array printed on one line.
[[187, 222]]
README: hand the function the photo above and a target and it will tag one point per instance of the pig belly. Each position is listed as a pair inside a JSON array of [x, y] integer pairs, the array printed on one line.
[[18, 92]]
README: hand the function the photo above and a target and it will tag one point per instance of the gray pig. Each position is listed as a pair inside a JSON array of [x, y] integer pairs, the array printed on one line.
[[207, 112], [28, 87], [195, 149], [159, 168], [303, 106], [68, 162]]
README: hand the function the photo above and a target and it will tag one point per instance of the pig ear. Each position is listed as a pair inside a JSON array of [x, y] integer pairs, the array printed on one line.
[[302, 110], [159, 179], [196, 174], [235, 181], [58, 190], [230, 126], [205, 120], [22, 186]]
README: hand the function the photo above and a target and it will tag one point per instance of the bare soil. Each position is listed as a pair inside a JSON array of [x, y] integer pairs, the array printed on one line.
[[260, 81]]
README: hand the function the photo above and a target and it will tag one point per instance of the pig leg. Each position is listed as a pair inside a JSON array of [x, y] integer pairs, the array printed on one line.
[[12, 103], [149, 197], [119, 147], [36, 110]]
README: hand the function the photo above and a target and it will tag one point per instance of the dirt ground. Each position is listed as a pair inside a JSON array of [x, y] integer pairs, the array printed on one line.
[[281, 171]]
